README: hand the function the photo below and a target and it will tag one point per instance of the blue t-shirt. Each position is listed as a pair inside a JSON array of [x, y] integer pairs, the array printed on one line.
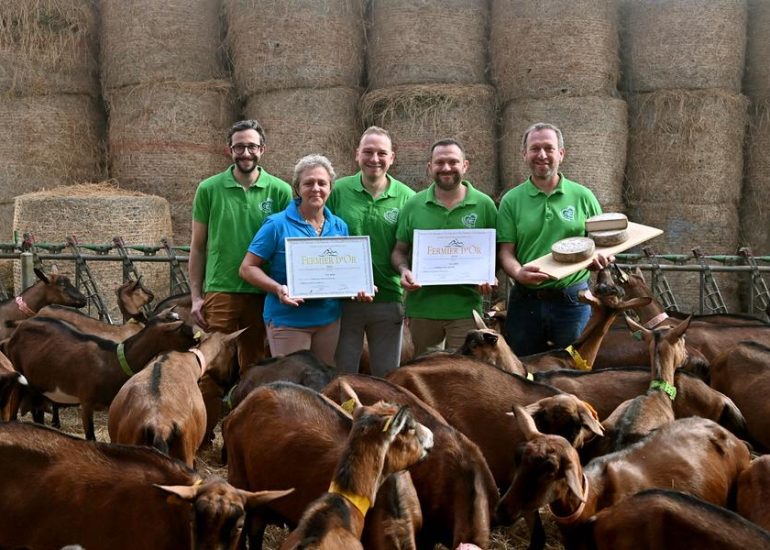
[[269, 244]]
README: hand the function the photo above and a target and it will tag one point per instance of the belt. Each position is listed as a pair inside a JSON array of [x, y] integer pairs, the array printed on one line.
[[548, 294]]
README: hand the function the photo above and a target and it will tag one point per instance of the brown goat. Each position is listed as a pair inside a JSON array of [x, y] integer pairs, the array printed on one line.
[[457, 492], [162, 406], [384, 439], [488, 345], [181, 304], [754, 492], [49, 289], [132, 297], [10, 379], [70, 367], [694, 455], [60, 490], [285, 433], [89, 325]]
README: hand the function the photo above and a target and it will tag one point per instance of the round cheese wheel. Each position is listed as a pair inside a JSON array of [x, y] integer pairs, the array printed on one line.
[[606, 221], [573, 249], [609, 238]]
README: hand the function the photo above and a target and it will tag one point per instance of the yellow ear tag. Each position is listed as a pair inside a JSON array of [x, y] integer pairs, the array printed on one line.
[[197, 336], [388, 422], [349, 406]]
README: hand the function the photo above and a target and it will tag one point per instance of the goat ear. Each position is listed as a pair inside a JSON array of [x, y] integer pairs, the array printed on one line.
[[42, 276], [479, 320], [526, 423], [54, 269], [633, 326], [638, 272], [396, 423], [233, 335], [185, 492], [635, 302], [348, 394], [258, 498], [675, 333], [533, 408], [589, 419], [574, 481], [587, 297]]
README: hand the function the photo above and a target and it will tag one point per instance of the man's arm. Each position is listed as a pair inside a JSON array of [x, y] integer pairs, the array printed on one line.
[[196, 268], [400, 260], [525, 275]]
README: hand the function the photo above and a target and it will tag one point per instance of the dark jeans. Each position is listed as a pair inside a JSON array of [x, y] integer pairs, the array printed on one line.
[[538, 321]]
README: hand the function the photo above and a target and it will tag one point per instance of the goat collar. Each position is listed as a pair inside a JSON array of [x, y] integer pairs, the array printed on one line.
[[655, 321], [361, 502], [201, 358], [665, 387], [23, 307], [580, 363], [123, 361], [572, 518]]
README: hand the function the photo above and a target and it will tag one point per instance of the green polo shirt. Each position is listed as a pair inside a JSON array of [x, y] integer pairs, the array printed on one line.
[[533, 221], [377, 218], [423, 211], [233, 216]]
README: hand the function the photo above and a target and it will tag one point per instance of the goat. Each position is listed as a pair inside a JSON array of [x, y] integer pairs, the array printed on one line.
[[89, 325], [162, 406], [9, 380], [181, 304], [60, 490], [457, 492], [70, 367], [132, 297], [485, 344], [754, 492], [383, 439], [49, 289], [283, 433], [693, 455]]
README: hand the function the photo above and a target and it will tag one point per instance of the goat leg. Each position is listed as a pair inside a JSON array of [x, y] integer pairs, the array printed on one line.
[[536, 530], [87, 418], [255, 531], [55, 420]]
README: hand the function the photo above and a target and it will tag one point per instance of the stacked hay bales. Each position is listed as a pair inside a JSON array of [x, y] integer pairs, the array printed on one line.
[[432, 85], [48, 87], [558, 62], [683, 63], [304, 92], [163, 77], [97, 213]]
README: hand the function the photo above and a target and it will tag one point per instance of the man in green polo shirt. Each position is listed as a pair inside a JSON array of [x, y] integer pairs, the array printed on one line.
[[370, 202], [441, 316], [543, 313], [228, 209]]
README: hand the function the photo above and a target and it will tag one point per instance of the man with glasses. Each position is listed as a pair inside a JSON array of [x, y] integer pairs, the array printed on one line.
[[228, 209]]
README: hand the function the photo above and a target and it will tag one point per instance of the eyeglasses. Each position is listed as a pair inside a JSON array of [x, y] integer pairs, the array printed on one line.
[[239, 148]]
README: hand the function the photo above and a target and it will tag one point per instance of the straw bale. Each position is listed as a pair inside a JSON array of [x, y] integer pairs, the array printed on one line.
[[686, 146], [304, 121], [165, 138], [407, 46], [690, 44], [48, 47], [282, 44], [554, 48], [417, 116], [150, 41], [755, 201], [711, 227], [595, 133], [48, 141], [757, 78], [96, 213]]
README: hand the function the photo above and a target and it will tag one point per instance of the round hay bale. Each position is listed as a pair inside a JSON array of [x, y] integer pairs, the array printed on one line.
[[271, 46], [406, 46], [96, 213], [755, 201], [595, 133], [711, 227], [685, 144], [165, 138], [49, 141], [48, 47], [554, 48], [304, 121], [690, 44], [757, 79], [417, 116], [150, 41]]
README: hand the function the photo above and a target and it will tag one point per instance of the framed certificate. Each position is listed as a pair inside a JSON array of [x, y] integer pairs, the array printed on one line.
[[329, 267], [453, 256]]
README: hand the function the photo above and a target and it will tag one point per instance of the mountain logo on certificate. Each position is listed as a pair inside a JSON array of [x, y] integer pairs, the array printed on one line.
[[455, 242], [329, 252]]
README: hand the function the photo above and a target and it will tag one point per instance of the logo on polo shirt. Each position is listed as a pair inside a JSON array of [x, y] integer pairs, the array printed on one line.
[[470, 220], [391, 216], [568, 213], [266, 206]]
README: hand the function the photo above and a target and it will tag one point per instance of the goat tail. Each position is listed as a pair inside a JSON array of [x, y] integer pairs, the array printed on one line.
[[152, 438]]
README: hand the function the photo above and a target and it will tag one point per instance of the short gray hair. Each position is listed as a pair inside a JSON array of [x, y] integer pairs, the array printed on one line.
[[542, 126], [312, 161]]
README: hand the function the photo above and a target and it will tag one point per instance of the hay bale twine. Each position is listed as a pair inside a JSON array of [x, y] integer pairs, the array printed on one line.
[[417, 116], [554, 48], [690, 44], [304, 121], [711, 227], [150, 41], [48, 141], [165, 138], [48, 47], [595, 133], [96, 213], [686, 145], [406, 46], [272, 46], [755, 201], [757, 77]]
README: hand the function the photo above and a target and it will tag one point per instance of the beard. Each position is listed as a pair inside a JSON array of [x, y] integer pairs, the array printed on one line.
[[448, 184], [239, 162]]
